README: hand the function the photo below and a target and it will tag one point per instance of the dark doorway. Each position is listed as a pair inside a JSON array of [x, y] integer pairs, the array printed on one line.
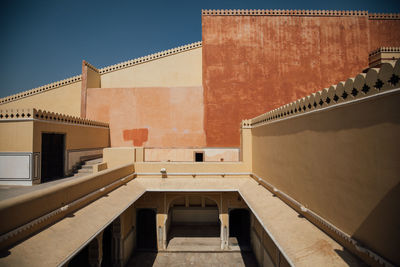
[[146, 229], [199, 156], [81, 259], [239, 226], [107, 247], [53, 146]]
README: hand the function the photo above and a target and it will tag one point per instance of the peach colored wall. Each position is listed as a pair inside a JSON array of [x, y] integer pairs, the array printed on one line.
[[150, 116], [253, 64]]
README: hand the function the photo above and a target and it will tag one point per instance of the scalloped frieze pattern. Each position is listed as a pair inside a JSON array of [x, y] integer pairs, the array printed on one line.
[[386, 78], [279, 12], [40, 89], [32, 113], [154, 56]]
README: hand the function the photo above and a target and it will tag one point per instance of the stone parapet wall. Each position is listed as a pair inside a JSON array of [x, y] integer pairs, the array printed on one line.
[[40, 89], [150, 57], [335, 153], [43, 115]]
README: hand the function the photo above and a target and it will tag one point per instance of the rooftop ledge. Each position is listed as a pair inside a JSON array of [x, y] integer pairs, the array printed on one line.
[[301, 242]]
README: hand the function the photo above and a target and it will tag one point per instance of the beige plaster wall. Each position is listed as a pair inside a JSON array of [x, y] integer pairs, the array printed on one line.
[[77, 136], [343, 164], [182, 69], [187, 154], [65, 99], [16, 136]]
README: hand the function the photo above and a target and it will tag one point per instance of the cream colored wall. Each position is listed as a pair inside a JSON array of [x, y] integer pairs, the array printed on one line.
[[65, 99], [182, 69], [187, 154], [16, 136], [343, 164], [77, 136]]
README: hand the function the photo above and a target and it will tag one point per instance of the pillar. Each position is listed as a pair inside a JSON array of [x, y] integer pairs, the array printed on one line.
[[96, 251]]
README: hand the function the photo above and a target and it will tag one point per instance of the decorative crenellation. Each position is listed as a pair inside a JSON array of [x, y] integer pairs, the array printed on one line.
[[37, 114], [154, 56], [384, 15], [385, 50], [40, 89], [279, 12], [387, 77]]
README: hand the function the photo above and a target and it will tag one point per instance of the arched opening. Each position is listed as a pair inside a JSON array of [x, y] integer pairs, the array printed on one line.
[[146, 229], [239, 228], [193, 223]]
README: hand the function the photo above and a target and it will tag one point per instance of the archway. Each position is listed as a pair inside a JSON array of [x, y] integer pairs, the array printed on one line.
[[193, 223], [239, 228]]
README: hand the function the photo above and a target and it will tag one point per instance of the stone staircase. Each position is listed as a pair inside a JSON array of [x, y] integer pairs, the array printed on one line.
[[86, 167]]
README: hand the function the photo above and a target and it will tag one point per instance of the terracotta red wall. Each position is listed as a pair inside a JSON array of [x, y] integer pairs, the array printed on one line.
[[252, 64], [384, 32]]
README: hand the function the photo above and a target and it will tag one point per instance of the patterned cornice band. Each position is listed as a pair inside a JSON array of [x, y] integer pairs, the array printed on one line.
[[154, 56], [41, 89], [32, 113], [384, 16], [375, 81], [385, 49], [278, 12]]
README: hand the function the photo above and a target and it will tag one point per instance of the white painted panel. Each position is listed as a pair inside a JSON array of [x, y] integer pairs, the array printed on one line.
[[14, 167]]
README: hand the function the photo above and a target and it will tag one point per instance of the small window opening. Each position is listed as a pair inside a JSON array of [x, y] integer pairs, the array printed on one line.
[[199, 156]]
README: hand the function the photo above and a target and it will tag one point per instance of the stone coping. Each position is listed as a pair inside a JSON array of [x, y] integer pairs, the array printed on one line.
[[43, 115]]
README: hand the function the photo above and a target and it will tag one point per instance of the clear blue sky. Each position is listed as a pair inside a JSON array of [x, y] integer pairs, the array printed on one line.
[[46, 41]]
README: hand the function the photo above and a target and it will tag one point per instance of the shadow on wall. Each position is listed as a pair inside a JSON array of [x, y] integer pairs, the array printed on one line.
[[137, 136], [376, 228]]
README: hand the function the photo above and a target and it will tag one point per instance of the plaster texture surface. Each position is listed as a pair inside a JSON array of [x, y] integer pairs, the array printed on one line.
[[150, 116], [64, 99], [178, 70], [253, 64]]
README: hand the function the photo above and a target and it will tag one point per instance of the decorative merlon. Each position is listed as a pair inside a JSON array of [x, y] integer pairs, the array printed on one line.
[[384, 15], [37, 114], [385, 49], [375, 81], [287, 12], [147, 58], [40, 89]]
